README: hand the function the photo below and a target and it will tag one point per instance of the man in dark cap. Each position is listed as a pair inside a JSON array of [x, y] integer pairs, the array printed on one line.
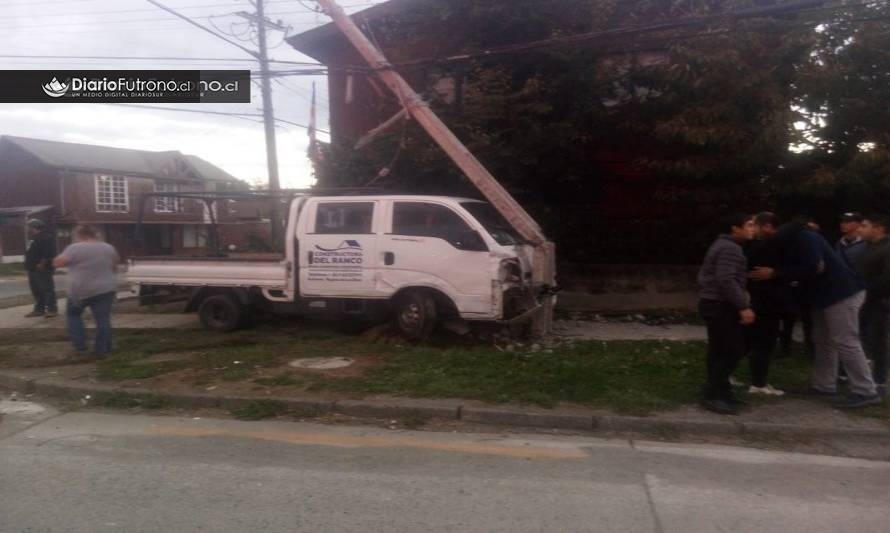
[[39, 265], [851, 245]]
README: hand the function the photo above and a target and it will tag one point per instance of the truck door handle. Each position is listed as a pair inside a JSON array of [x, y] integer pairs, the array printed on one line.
[[389, 258], [311, 258]]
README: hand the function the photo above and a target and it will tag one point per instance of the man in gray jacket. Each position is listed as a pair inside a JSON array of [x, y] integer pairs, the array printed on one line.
[[725, 305]]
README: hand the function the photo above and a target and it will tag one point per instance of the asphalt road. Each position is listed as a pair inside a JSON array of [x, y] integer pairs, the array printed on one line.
[[97, 472]]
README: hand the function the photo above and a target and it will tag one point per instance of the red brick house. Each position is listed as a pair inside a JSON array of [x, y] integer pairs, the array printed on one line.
[[68, 184]]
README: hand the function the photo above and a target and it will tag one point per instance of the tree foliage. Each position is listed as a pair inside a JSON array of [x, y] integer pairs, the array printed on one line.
[[705, 112]]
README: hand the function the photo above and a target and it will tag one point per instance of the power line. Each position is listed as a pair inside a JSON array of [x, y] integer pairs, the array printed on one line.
[[44, 2], [202, 27], [208, 112], [114, 12], [306, 10], [159, 58]]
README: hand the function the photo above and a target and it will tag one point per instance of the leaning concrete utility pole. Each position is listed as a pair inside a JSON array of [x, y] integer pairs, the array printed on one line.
[[544, 268]]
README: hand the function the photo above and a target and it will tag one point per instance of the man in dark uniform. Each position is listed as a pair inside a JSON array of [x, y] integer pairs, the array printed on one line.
[[771, 300], [875, 264], [39, 265]]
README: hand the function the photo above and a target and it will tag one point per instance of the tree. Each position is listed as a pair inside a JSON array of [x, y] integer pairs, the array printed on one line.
[[701, 116], [842, 94]]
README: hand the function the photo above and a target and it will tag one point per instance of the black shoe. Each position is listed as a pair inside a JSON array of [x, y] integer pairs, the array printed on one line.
[[855, 401], [720, 407]]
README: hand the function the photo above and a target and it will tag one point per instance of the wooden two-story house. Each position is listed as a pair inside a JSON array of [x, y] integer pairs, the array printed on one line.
[[68, 184]]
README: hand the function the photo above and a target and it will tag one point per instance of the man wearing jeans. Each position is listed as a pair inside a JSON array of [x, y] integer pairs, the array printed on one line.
[[91, 283], [835, 295]]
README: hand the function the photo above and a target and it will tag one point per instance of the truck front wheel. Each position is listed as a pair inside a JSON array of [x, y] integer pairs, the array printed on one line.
[[416, 314], [221, 313]]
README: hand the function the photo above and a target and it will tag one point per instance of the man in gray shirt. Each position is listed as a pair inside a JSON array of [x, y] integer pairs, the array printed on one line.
[[91, 283]]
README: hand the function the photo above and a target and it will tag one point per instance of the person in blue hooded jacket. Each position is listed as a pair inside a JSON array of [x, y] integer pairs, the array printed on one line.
[[835, 295]]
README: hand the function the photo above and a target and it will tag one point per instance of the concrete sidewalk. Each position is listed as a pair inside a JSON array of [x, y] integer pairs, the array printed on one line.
[[14, 318]]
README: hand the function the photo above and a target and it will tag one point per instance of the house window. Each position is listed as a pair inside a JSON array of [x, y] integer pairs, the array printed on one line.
[[194, 236], [344, 218], [111, 194], [165, 204]]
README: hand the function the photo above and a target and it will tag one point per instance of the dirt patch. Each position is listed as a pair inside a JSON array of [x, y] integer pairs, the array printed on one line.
[[279, 380], [167, 357], [35, 355], [9, 337], [357, 369]]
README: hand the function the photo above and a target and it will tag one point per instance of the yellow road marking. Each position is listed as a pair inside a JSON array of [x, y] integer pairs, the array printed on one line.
[[352, 441]]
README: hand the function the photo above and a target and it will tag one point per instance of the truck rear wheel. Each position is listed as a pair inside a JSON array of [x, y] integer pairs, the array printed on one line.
[[221, 312], [416, 314]]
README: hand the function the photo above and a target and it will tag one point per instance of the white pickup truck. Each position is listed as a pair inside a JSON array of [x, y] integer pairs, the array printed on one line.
[[416, 259]]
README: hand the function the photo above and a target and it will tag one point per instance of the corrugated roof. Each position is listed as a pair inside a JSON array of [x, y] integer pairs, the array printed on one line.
[[208, 170], [94, 158], [13, 211]]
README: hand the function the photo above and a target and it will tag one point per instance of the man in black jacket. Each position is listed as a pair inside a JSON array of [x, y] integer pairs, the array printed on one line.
[[875, 265], [39, 265], [771, 299], [725, 305]]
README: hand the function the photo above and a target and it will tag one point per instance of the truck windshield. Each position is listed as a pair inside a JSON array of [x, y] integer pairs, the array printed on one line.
[[499, 229]]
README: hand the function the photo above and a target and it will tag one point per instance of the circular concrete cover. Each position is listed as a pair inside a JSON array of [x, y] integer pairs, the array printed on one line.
[[322, 363]]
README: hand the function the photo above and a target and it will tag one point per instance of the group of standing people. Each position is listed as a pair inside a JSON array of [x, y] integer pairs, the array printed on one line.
[[759, 271], [92, 285]]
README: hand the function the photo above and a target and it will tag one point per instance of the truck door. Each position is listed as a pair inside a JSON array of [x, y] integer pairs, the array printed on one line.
[[338, 249], [432, 245]]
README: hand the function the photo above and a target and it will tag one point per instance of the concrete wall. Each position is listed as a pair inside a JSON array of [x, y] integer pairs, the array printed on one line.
[[627, 287]]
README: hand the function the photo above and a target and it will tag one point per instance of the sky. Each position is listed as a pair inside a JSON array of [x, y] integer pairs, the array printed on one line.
[[137, 28]]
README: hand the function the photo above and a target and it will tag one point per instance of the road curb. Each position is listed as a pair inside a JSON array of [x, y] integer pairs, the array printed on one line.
[[399, 408]]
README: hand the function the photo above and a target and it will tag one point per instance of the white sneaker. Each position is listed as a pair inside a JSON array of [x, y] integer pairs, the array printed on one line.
[[734, 382], [768, 390]]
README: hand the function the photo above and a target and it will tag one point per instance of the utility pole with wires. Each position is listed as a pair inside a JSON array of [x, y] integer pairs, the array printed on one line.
[[262, 56], [268, 112], [544, 264]]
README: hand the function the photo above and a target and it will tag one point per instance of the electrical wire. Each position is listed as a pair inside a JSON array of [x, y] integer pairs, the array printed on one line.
[[158, 58], [209, 112], [202, 27]]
